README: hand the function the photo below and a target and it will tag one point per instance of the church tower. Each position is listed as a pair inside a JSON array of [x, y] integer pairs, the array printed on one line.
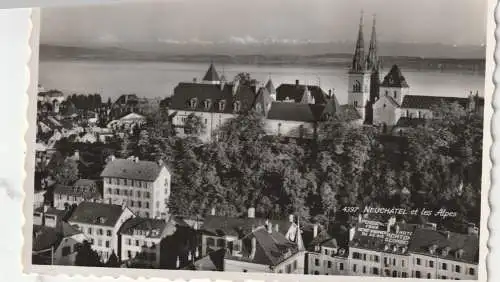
[[373, 66], [359, 76]]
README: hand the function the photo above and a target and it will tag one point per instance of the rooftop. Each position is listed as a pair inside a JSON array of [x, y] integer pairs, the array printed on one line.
[[394, 78], [132, 169], [427, 102], [296, 91], [296, 111], [96, 213], [153, 228], [233, 226]]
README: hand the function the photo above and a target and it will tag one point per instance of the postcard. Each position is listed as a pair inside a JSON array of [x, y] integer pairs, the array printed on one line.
[[261, 139]]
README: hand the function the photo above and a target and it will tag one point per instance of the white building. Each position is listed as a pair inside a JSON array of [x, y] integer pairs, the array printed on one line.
[[142, 186], [141, 238], [127, 122], [101, 223], [325, 256], [82, 190]]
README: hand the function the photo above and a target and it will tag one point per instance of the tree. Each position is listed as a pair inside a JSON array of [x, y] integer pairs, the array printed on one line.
[[67, 173], [113, 260], [86, 256], [194, 125], [244, 78]]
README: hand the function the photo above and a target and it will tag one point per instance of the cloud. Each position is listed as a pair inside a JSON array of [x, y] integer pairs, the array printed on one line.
[[243, 40], [107, 39]]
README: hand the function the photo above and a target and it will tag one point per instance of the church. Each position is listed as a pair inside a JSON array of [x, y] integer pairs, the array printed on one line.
[[388, 103]]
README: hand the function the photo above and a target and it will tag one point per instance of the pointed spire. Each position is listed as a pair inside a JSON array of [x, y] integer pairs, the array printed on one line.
[[211, 75], [299, 240], [358, 60], [372, 58]]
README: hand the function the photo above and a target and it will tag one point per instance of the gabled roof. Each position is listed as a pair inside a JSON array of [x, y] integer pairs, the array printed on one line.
[[424, 238], [211, 74], [145, 224], [395, 78], [426, 102], [131, 169], [296, 92], [290, 111], [96, 213], [78, 191], [133, 116], [46, 237], [271, 248], [349, 112], [263, 99], [410, 122]]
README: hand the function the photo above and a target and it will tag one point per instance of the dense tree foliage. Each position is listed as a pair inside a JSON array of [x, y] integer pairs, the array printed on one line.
[[85, 256], [435, 165]]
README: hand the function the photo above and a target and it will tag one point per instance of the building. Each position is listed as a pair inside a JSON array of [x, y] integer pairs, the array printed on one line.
[[100, 223], [56, 244], [212, 100], [444, 255], [325, 256], [48, 216], [82, 190], [140, 240], [127, 122], [396, 249], [295, 92], [142, 186], [130, 103], [50, 101]]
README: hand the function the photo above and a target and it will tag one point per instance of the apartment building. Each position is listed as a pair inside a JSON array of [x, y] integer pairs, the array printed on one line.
[[142, 186]]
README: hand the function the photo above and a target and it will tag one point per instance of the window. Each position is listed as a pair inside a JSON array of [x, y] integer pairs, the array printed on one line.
[[394, 273], [329, 264], [356, 255], [210, 242], [316, 272], [99, 231], [385, 262], [294, 264], [157, 204], [138, 194], [125, 192], [394, 262], [386, 92], [395, 94], [146, 195], [206, 121], [129, 242], [66, 251], [220, 243], [125, 181], [429, 276], [193, 103], [316, 262], [132, 203], [364, 256], [147, 205], [444, 277], [375, 258], [341, 266], [431, 264], [354, 268], [117, 191], [403, 263], [418, 261], [99, 242], [107, 244], [139, 204], [385, 105], [375, 271], [288, 268], [355, 103], [444, 266], [222, 105], [364, 269], [404, 274], [109, 180], [237, 106], [457, 268], [89, 230], [472, 271]]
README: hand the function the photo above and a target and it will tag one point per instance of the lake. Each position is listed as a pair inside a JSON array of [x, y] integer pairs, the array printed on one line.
[[158, 79]]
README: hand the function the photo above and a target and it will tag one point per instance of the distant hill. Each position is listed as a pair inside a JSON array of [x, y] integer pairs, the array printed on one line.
[[286, 57]]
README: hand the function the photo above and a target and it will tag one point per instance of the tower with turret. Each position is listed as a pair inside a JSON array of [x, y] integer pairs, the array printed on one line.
[[359, 76]]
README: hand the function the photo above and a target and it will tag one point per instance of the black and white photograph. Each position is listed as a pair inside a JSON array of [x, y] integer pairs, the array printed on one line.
[[319, 137]]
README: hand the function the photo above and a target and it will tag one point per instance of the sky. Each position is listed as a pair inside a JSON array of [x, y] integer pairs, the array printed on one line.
[[455, 22]]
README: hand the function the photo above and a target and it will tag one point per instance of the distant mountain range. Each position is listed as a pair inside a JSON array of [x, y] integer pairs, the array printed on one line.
[[434, 56]]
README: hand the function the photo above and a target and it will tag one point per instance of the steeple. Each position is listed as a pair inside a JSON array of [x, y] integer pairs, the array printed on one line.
[[372, 58], [211, 76], [358, 60]]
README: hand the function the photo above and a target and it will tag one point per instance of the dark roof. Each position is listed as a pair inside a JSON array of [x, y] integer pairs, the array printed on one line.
[[51, 211], [85, 192], [46, 237], [211, 74], [424, 238], [426, 102], [296, 91], [233, 226], [184, 93], [271, 248], [130, 169], [263, 99], [85, 182], [143, 224], [295, 111], [51, 93], [270, 86], [395, 78], [96, 213]]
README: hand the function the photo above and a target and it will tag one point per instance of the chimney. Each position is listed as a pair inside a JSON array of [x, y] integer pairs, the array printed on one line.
[[160, 162], [352, 231], [77, 155], [290, 218], [277, 227], [113, 157], [212, 212], [297, 82], [254, 248], [360, 218], [45, 208], [195, 80], [447, 234], [269, 228], [330, 93], [251, 212], [315, 230]]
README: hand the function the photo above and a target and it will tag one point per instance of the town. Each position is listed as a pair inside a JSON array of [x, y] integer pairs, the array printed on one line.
[[240, 175]]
